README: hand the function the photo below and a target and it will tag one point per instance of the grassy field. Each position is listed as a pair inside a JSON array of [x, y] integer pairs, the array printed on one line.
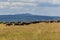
[[40, 31]]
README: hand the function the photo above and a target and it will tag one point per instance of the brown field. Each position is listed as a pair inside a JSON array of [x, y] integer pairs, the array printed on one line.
[[39, 31]]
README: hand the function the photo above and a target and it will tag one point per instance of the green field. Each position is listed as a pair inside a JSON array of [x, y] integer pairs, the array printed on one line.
[[40, 31]]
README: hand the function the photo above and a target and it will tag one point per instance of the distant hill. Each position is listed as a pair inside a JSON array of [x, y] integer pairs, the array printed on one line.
[[26, 17]]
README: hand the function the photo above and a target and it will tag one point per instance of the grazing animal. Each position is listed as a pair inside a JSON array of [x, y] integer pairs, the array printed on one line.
[[58, 21], [35, 22], [16, 23], [27, 23], [51, 21], [41, 21], [47, 21], [22, 24], [8, 24]]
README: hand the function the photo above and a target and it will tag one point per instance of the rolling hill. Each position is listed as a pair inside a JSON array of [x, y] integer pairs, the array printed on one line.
[[26, 17]]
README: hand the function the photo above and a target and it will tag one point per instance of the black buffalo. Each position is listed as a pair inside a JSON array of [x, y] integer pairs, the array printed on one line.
[[9, 24]]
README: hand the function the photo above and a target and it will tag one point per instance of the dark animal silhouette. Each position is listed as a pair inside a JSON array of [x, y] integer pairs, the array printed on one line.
[[16, 23], [47, 21], [52, 21], [9, 24], [58, 21], [41, 21], [34, 22], [22, 23], [27, 23]]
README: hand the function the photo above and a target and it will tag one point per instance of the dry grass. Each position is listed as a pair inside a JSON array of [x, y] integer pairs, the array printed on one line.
[[41, 31]]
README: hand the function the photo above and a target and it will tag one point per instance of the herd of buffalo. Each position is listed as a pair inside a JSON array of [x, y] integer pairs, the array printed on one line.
[[26, 23]]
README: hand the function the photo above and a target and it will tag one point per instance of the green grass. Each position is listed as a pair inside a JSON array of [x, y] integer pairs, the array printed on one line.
[[42, 31]]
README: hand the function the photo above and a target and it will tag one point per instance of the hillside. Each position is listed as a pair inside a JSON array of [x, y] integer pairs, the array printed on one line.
[[26, 17]]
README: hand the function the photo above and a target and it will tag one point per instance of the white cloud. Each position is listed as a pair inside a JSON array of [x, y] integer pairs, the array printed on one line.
[[15, 5], [23, 6], [29, 0], [21, 0], [56, 1], [3, 4], [20, 3]]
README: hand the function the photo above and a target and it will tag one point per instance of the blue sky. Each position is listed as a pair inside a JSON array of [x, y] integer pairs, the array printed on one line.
[[36, 7]]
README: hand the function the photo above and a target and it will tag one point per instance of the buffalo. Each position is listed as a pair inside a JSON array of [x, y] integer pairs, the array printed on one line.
[[9, 24]]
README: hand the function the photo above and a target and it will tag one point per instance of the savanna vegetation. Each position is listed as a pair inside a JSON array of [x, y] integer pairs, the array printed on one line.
[[38, 31]]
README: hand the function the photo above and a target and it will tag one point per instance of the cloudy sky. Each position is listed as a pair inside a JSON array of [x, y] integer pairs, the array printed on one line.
[[36, 7]]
